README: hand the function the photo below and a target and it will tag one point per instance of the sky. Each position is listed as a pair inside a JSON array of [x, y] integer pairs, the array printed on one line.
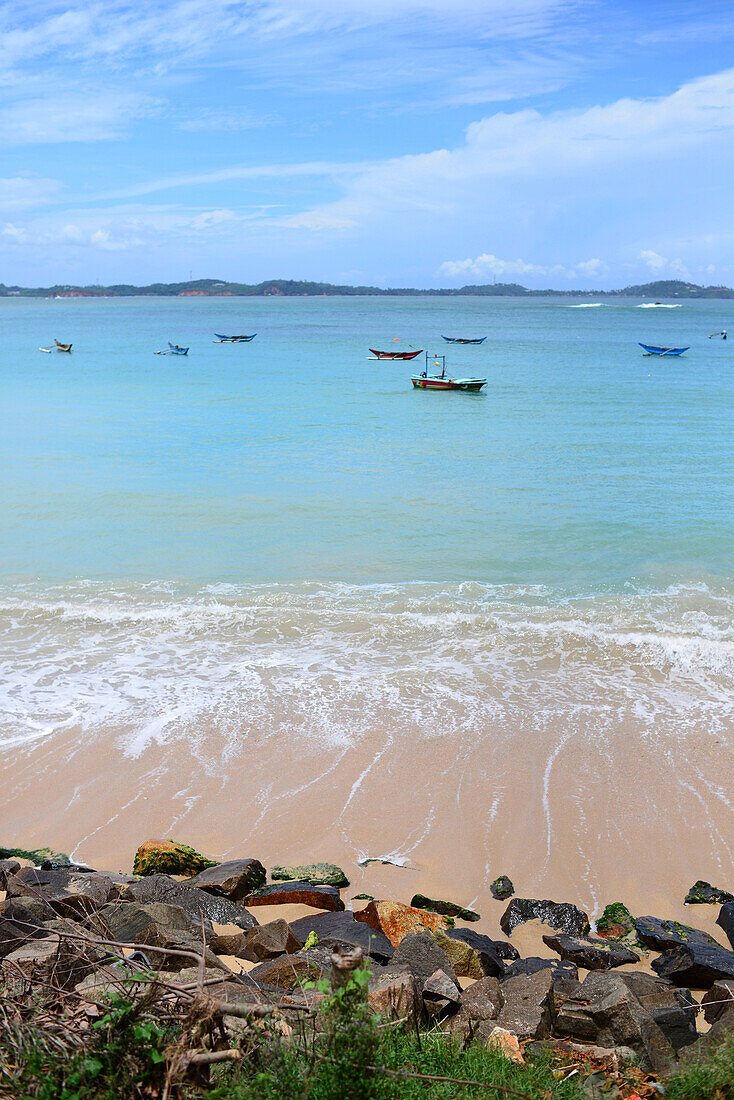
[[555, 143]]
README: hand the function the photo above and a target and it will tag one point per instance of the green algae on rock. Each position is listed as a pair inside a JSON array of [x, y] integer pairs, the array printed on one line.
[[36, 855], [318, 874], [445, 908], [168, 857], [502, 888], [616, 922], [703, 893]]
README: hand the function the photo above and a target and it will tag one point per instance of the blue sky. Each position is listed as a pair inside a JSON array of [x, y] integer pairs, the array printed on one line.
[[567, 143]]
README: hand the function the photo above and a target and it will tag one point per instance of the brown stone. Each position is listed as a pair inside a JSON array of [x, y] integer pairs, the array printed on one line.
[[71, 894], [506, 1043], [463, 958], [528, 1007], [296, 893], [41, 965], [394, 993], [396, 920], [481, 1005], [234, 879]]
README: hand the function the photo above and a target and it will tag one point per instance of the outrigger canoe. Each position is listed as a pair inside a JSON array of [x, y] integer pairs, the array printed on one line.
[[395, 354], [174, 349], [462, 340], [62, 347], [234, 339], [654, 349]]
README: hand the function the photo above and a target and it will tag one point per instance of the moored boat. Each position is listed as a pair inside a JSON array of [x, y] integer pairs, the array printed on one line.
[[221, 339], [395, 354], [426, 381], [176, 349], [463, 340], [62, 347], [656, 349]]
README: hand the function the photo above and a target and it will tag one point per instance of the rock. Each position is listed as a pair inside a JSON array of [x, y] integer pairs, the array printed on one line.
[[342, 927], [672, 1009], [616, 922], [506, 1043], [396, 920], [590, 952], [393, 992], [363, 897], [528, 1005], [172, 940], [481, 1005], [68, 893], [703, 893], [725, 920], [50, 960], [563, 990], [126, 921], [35, 855], [607, 1013], [562, 916], [290, 971], [440, 994], [720, 1031], [270, 940], [502, 888], [194, 902], [422, 956], [26, 912], [318, 874], [445, 908], [296, 893], [168, 857], [8, 867], [534, 964], [718, 1000], [490, 951], [67, 865], [697, 965], [12, 937], [506, 951], [464, 959], [234, 879], [662, 935]]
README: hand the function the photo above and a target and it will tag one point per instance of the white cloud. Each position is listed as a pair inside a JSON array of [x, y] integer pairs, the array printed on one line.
[[94, 116], [24, 192], [487, 265], [660, 265]]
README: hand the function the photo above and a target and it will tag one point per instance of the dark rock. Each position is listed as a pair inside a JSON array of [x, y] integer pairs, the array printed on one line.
[[697, 965], [35, 855], [718, 1000], [528, 1005], [616, 922], [662, 935], [488, 950], [271, 940], [168, 857], [534, 964], [234, 879], [502, 888], [172, 940], [62, 865], [26, 912], [672, 1009], [422, 955], [480, 1007], [607, 1013], [393, 992], [194, 902], [290, 971], [590, 952], [445, 908], [343, 927], [69, 893], [562, 916], [8, 867], [506, 951], [296, 893], [127, 922], [563, 990], [725, 920], [318, 874], [41, 962], [720, 1031], [230, 943], [703, 893], [440, 994]]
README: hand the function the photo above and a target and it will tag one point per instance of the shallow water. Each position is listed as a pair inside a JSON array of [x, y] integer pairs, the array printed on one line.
[[269, 596]]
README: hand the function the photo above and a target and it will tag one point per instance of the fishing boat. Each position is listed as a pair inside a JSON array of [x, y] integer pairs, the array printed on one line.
[[62, 347], [221, 339], [395, 354], [463, 340], [655, 349], [175, 349], [426, 381]]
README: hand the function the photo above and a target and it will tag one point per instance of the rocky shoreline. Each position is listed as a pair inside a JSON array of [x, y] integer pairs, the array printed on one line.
[[642, 990]]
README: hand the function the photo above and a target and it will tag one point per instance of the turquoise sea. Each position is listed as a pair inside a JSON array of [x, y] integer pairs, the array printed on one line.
[[278, 569]]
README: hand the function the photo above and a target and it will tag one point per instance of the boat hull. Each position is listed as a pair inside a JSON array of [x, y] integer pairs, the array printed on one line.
[[462, 340], [467, 385], [654, 349], [395, 354]]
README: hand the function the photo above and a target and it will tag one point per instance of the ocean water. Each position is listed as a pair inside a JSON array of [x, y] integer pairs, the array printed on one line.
[[279, 552]]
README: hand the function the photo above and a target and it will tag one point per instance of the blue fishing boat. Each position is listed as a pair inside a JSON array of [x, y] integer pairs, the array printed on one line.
[[654, 349], [463, 340], [175, 349], [221, 339]]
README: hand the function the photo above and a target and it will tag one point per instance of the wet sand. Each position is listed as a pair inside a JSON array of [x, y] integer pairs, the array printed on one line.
[[564, 817]]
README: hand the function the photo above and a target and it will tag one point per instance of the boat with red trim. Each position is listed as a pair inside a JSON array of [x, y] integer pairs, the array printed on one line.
[[395, 354], [426, 381]]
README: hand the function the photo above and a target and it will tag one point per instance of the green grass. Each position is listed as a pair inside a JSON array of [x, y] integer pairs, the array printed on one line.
[[707, 1078]]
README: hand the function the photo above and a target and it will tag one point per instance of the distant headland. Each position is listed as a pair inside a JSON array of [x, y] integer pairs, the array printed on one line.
[[294, 288]]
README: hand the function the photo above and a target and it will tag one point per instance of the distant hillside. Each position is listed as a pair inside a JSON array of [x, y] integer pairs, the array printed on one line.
[[199, 288]]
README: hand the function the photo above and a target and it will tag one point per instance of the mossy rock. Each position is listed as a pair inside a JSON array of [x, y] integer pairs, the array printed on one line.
[[616, 922], [363, 897], [445, 908], [316, 874], [168, 857], [36, 855], [703, 893], [502, 888]]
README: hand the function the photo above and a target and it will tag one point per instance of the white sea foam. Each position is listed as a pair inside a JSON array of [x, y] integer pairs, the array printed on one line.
[[588, 305], [659, 305]]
